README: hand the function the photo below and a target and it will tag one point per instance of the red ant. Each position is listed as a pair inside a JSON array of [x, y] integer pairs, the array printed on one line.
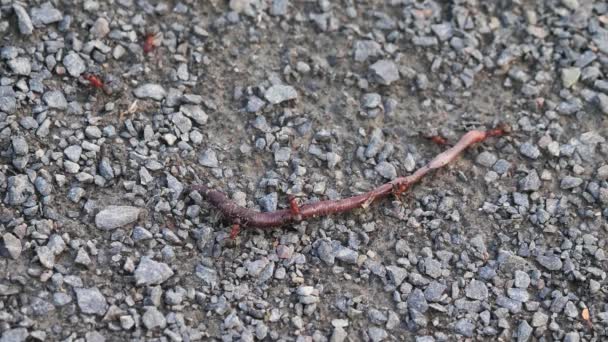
[[151, 41], [439, 140], [94, 81]]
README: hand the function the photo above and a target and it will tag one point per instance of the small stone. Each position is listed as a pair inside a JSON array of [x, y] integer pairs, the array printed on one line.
[[570, 76], [539, 319], [486, 159], [377, 334], [279, 7], [464, 327], [100, 28], [74, 64], [150, 91], [24, 22], [520, 295], [386, 170], [550, 262], [338, 335], [150, 272], [529, 150], [571, 4], [91, 301], [46, 257], [396, 274], [370, 101], [476, 290], [602, 101], [55, 100], [282, 155], [195, 112], [14, 335], [12, 245], [209, 159], [434, 291], [530, 183], [572, 336], [20, 146], [45, 14], [73, 152], [417, 301], [364, 49], [602, 172], [255, 104], [443, 31], [570, 182], [114, 216], [280, 93], [269, 202], [384, 72], [20, 66], [19, 190], [153, 319], [524, 331], [94, 336], [208, 275], [61, 299], [522, 279]]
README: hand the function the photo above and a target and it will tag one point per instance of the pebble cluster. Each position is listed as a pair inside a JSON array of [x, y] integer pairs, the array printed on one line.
[[101, 240]]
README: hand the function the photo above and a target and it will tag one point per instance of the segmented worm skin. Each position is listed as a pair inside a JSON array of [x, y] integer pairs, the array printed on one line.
[[250, 218]]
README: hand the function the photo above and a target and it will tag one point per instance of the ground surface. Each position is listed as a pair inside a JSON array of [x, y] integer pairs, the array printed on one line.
[[101, 238]]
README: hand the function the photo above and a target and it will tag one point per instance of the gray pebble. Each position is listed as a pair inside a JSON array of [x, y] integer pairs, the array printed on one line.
[[12, 245], [364, 49], [24, 22], [269, 202], [282, 155], [531, 182], [19, 190], [539, 319], [19, 144], [486, 159], [14, 335], [280, 93], [55, 100], [195, 112], [153, 319], [45, 14], [113, 217], [376, 334], [570, 182], [73, 152], [384, 72], [20, 66], [476, 290], [524, 331], [150, 272], [209, 159], [91, 301], [529, 150], [74, 64], [550, 262], [522, 279], [386, 170], [150, 91], [464, 327]]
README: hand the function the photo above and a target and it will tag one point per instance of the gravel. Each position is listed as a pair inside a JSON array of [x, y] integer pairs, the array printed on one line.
[[102, 239], [91, 301], [114, 216], [280, 93]]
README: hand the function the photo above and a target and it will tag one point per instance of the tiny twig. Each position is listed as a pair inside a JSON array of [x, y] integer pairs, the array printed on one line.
[[244, 217]]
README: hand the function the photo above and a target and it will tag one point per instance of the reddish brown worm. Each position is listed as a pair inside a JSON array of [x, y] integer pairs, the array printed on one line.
[[250, 218]]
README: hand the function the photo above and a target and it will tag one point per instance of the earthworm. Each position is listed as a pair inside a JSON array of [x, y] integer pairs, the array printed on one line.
[[244, 217]]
